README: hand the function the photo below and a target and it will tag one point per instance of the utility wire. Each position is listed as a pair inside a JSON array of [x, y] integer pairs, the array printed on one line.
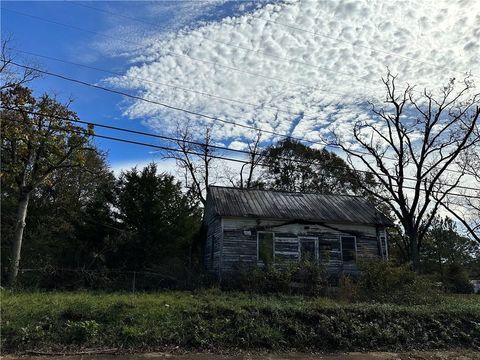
[[256, 51], [255, 106], [137, 132], [190, 112], [198, 60], [189, 152], [211, 62], [231, 68], [210, 117], [160, 147], [290, 60], [216, 64], [203, 145]]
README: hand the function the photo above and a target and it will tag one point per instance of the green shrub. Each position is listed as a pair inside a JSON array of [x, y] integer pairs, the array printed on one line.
[[384, 282], [262, 280], [313, 278], [80, 332], [305, 278], [456, 280]]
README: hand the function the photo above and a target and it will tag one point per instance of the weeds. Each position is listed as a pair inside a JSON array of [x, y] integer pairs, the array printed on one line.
[[226, 320]]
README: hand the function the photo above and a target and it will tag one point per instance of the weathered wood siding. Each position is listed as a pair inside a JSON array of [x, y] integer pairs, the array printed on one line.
[[240, 242], [213, 246], [239, 248]]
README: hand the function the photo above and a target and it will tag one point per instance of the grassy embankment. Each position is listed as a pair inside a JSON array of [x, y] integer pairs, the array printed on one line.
[[216, 320]]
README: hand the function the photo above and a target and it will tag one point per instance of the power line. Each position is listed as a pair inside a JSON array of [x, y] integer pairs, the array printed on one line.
[[205, 145], [203, 61], [229, 159], [160, 147], [210, 63], [191, 112], [137, 132], [324, 143], [256, 106], [231, 68], [289, 60]]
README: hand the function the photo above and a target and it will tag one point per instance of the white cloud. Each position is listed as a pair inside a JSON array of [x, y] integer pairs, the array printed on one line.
[[325, 80], [316, 81]]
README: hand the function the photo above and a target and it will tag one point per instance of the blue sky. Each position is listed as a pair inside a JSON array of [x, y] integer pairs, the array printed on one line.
[[299, 68], [34, 35]]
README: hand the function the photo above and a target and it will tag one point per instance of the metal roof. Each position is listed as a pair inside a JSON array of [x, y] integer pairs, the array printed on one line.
[[268, 204]]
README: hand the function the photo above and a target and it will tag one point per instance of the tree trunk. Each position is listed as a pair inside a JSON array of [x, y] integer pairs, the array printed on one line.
[[18, 237], [415, 256]]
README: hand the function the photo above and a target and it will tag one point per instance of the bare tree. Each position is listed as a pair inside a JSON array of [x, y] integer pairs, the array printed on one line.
[[244, 178], [255, 156], [9, 77], [418, 136], [195, 158]]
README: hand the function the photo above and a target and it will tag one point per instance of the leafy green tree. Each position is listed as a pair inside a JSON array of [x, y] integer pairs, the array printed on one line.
[[75, 214], [159, 219], [36, 144], [70, 220], [445, 246], [293, 166]]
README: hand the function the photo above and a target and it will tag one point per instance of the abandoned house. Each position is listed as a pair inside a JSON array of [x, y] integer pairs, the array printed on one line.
[[247, 227]]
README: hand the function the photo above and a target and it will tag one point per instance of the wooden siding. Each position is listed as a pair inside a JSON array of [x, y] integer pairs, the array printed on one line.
[[239, 249], [214, 242], [240, 242]]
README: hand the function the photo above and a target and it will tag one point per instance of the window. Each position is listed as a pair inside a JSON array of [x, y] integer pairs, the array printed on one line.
[[349, 248], [265, 248], [308, 249]]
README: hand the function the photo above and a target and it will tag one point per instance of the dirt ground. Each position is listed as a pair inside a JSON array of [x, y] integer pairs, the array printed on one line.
[[415, 355]]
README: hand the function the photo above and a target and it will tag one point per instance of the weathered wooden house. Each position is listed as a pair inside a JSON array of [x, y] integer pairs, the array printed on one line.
[[257, 227]]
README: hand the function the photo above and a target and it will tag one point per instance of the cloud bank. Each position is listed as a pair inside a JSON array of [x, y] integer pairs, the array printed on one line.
[[299, 67]]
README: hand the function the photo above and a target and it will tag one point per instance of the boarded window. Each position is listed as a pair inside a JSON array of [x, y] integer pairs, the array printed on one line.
[[286, 249], [348, 248], [325, 251], [307, 249], [265, 248]]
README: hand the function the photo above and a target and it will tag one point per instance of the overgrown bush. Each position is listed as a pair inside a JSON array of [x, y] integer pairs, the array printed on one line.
[[456, 280], [305, 278], [80, 332], [381, 281]]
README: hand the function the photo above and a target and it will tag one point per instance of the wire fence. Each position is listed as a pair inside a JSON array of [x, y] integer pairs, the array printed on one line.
[[50, 278]]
